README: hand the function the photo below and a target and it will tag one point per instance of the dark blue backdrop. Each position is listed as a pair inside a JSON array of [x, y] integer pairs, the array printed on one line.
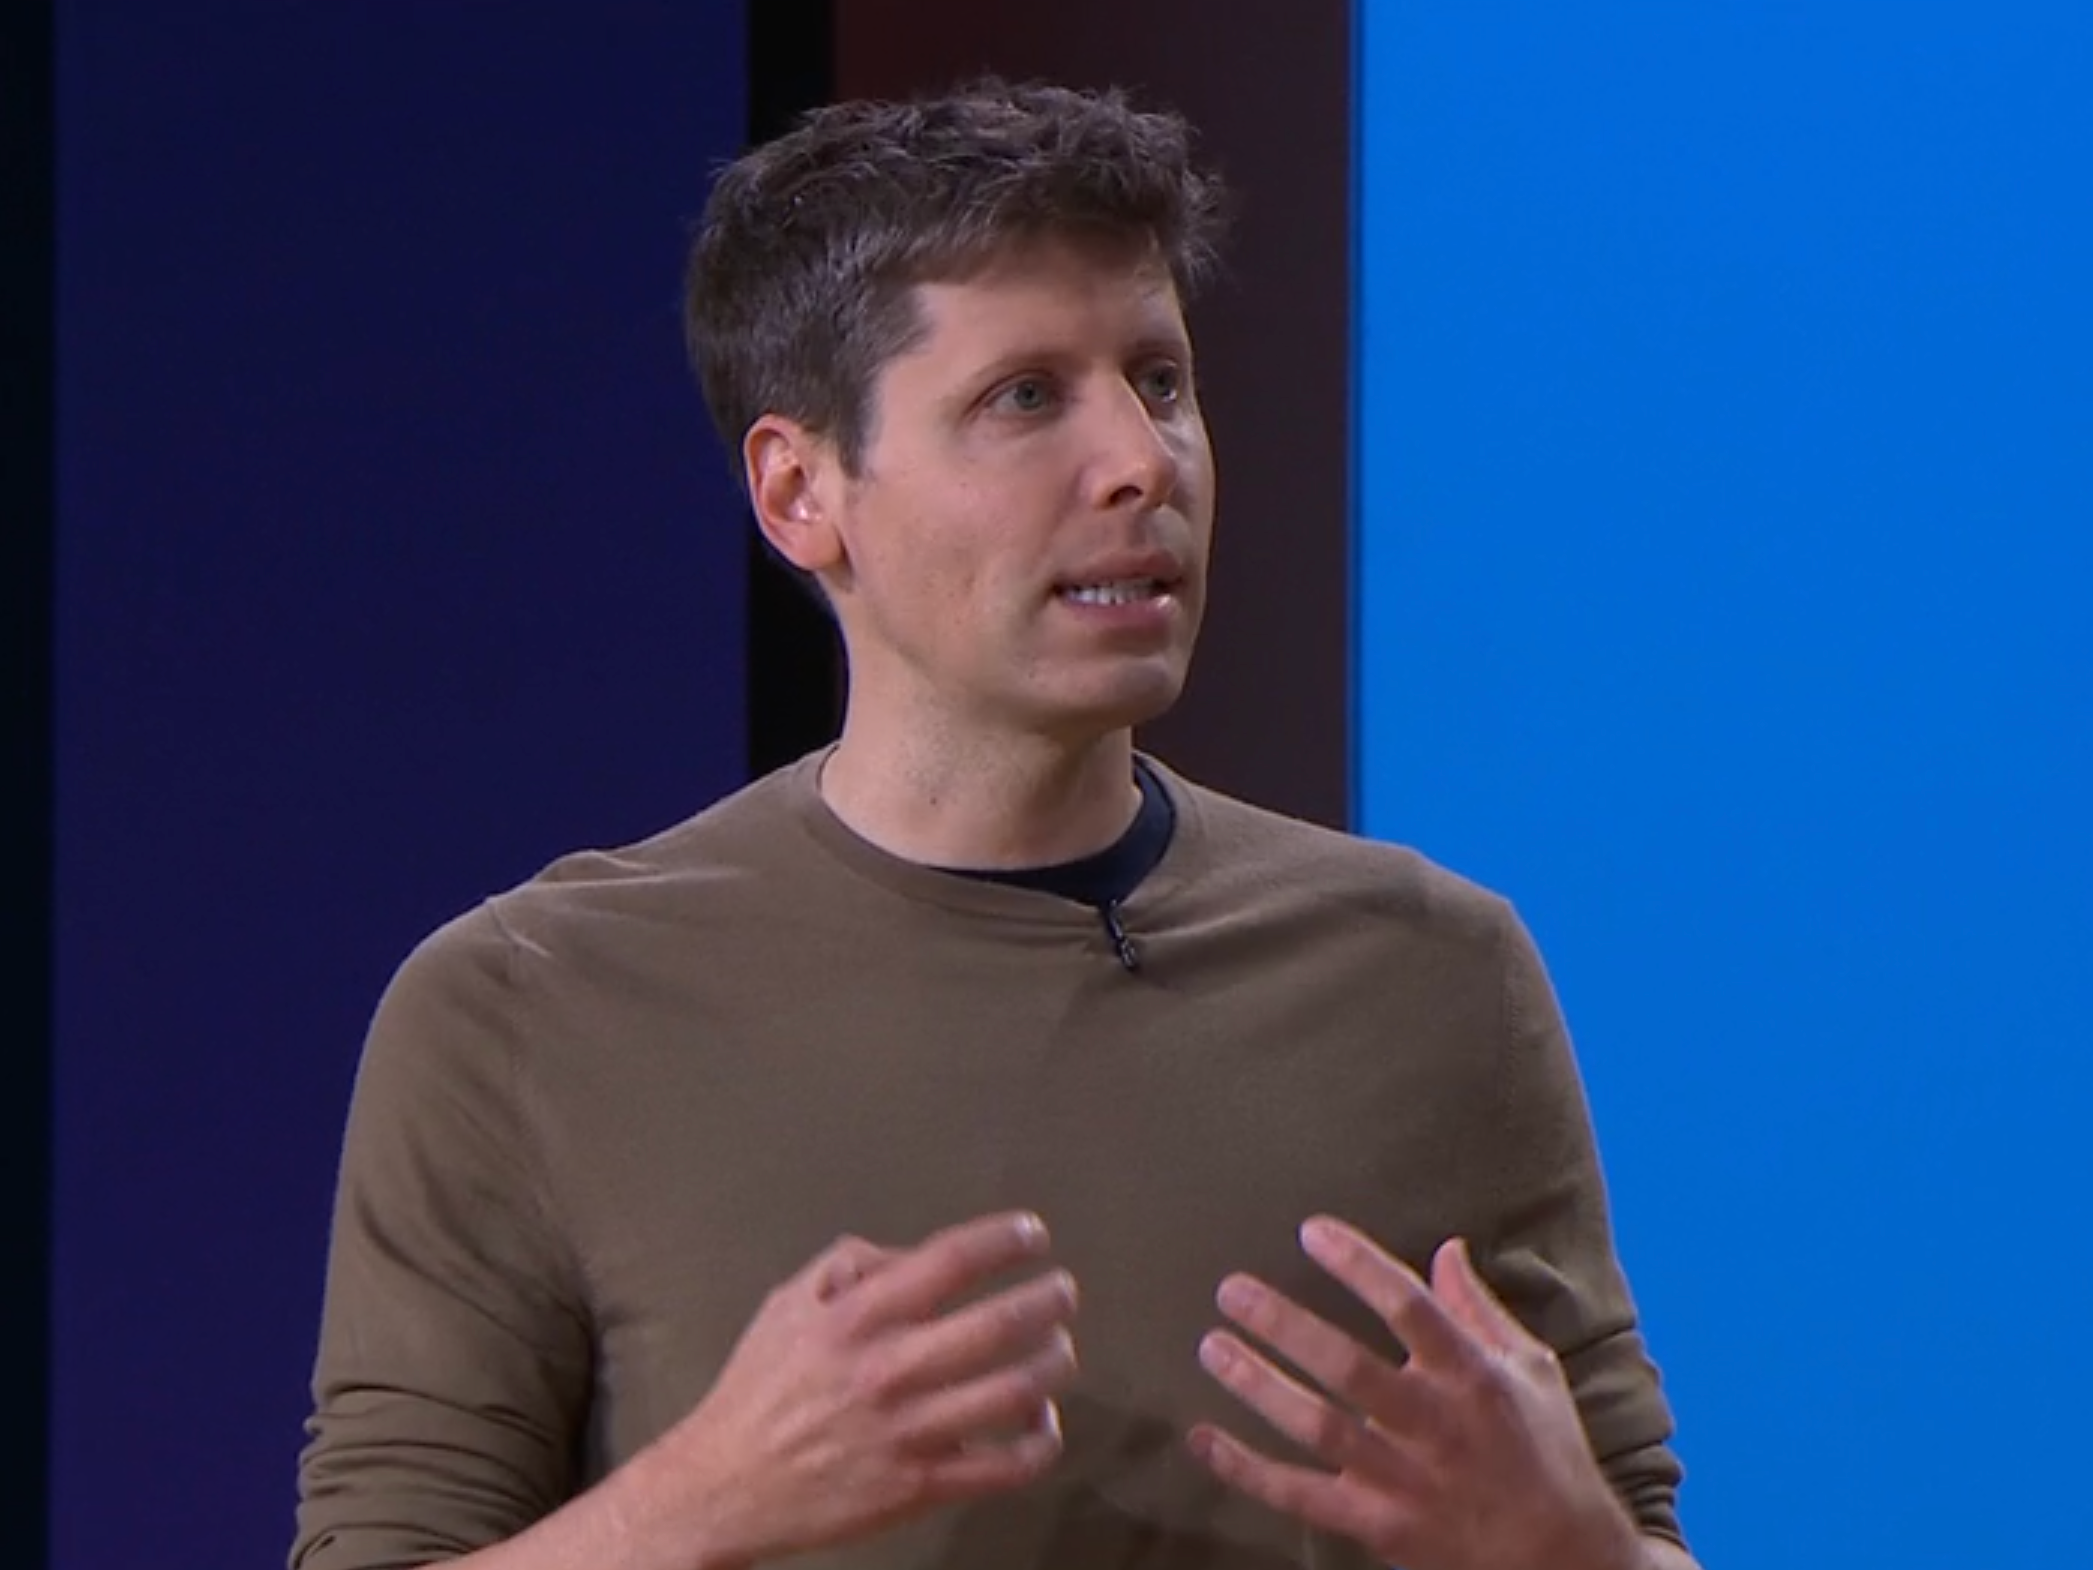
[[1725, 453], [394, 558]]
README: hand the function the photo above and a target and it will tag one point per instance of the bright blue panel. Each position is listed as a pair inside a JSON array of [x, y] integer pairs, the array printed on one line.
[[1725, 533]]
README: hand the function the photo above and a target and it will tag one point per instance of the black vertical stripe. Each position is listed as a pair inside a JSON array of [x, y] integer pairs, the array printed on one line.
[[794, 673], [27, 538]]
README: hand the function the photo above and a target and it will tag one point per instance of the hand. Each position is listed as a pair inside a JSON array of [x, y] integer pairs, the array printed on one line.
[[850, 1403], [1470, 1456]]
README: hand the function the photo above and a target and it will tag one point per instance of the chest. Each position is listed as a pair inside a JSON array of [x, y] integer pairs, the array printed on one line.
[[1171, 1126]]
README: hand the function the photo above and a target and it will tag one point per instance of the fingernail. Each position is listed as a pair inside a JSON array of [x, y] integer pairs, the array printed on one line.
[[1216, 1354], [1045, 1437], [1319, 1235], [1031, 1230], [1235, 1297]]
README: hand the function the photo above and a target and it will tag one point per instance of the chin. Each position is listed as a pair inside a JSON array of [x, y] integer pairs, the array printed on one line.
[[1128, 703]]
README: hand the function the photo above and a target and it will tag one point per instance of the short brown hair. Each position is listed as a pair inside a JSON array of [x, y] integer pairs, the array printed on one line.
[[801, 280]]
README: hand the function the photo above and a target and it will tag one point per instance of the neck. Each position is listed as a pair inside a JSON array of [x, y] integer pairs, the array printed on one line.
[[994, 804]]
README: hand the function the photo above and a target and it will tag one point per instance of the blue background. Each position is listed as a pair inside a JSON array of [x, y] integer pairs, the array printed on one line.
[[395, 557], [1724, 463]]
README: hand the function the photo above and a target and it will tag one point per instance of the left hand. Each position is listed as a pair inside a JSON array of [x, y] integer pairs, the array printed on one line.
[[1470, 1456]]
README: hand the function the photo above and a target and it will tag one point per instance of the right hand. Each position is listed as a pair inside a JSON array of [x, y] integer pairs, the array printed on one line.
[[854, 1400]]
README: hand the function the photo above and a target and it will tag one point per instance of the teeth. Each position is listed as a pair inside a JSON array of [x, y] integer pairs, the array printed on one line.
[[1114, 593]]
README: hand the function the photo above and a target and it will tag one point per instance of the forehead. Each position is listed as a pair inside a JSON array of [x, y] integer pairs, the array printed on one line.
[[1052, 290]]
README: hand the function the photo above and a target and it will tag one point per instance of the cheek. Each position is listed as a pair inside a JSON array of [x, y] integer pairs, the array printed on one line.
[[930, 567], [1195, 469], [971, 547], [954, 549]]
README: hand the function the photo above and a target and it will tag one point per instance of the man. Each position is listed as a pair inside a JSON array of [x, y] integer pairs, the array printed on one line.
[[730, 1198]]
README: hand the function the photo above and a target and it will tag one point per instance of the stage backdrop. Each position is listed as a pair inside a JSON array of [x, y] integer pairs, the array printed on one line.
[[1724, 531], [395, 559]]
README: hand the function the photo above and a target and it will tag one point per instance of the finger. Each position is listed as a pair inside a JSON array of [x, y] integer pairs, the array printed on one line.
[[1470, 1301], [924, 1278], [843, 1264], [1364, 1382], [1391, 1289], [1015, 1323], [1021, 1396], [1316, 1424], [1378, 1518], [996, 1467]]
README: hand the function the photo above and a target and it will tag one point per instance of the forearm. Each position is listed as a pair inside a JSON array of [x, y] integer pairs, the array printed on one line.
[[632, 1520]]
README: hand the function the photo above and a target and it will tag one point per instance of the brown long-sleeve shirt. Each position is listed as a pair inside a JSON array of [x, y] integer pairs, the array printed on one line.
[[599, 1117]]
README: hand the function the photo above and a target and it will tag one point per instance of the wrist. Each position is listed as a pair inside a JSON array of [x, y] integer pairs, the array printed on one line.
[[1604, 1538], [668, 1514]]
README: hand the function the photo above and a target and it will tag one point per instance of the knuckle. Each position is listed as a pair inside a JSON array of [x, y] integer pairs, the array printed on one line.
[[1331, 1433], [1539, 1359], [947, 1265], [1394, 1529], [914, 1482], [1497, 1386], [1475, 1384], [875, 1376], [851, 1318], [1287, 1493], [840, 1254], [1352, 1367]]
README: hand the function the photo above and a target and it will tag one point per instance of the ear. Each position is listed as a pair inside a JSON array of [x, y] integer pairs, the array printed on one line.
[[792, 476]]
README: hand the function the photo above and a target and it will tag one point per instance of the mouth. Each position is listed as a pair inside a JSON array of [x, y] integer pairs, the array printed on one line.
[[1116, 591]]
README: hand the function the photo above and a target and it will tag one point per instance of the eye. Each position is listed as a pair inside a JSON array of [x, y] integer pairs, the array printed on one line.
[[1026, 395], [1162, 383]]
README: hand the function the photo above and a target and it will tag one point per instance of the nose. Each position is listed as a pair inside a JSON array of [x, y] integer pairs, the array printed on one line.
[[1135, 466]]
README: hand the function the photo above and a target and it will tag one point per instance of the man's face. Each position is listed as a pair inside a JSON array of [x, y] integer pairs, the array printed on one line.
[[1024, 548]]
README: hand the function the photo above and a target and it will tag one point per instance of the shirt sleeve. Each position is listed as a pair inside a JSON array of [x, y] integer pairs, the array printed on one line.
[[451, 1383], [1552, 1256]]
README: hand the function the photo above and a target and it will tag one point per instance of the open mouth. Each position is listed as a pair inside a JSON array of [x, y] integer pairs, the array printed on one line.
[[1124, 591]]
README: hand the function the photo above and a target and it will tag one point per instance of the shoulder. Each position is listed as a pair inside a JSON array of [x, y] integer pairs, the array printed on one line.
[[1256, 849], [596, 909], [736, 853]]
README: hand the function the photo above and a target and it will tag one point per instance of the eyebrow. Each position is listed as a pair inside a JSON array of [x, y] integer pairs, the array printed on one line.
[[1162, 344]]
